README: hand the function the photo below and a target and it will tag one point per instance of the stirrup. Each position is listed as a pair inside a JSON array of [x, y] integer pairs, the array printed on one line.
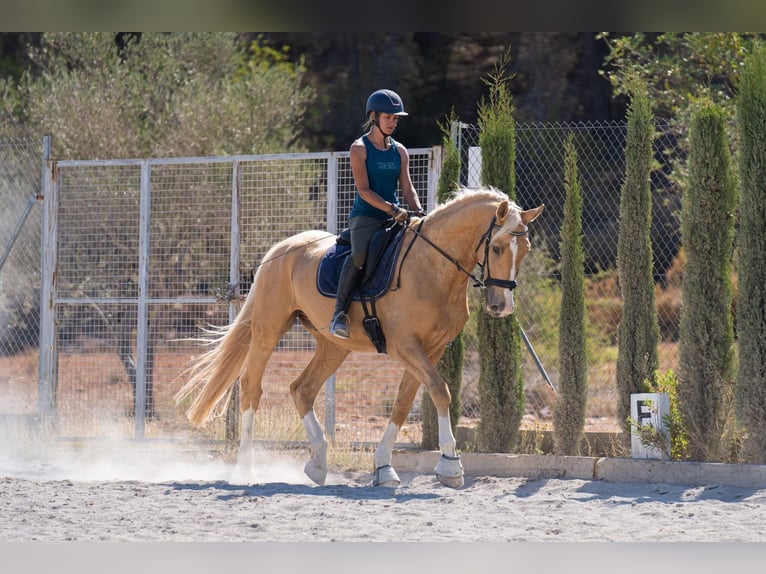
[[339, 326]]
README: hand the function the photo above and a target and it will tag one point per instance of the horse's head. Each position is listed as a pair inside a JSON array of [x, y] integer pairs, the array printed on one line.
[[505, 245]]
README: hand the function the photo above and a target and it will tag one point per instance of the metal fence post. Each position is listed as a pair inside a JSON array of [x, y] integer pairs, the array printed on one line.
[[142, 338], [332, 227], [232, 413], [47, 361], [434, 169]]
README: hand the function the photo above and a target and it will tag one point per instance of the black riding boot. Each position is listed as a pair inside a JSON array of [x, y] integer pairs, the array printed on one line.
[[349, 277]]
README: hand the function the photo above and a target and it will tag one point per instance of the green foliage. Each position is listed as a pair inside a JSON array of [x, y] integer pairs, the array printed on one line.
[[501, 385], [449, 177], [569, 408], [751, 308], [638, 332], [678, 68], [651, 436], [498, 131], [450, 366], [706, 337], [167, 94]]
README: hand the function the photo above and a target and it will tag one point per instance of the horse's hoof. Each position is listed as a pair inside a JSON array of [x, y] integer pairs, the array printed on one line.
[[386, 476], [315, 472], [449, 471], [451, 481]]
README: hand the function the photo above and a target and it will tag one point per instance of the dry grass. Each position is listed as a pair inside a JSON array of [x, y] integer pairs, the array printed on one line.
[[95, 398]]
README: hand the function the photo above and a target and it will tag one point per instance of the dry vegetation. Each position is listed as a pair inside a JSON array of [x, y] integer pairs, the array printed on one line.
[[95, 398]]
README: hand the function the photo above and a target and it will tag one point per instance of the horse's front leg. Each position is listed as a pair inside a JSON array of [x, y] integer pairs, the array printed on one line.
[[449, 470]]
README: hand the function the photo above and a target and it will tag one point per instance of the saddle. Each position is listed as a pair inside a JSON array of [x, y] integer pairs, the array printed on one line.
[[382, 254]]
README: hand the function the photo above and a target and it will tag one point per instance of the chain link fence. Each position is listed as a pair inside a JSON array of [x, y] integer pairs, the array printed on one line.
[[20, 177], [540, 179]]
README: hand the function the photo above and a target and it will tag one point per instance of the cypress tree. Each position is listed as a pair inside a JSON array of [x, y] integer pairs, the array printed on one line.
[[450, 366], [706, 335], [569, 408], [638, 331], [751, 269], [501, 387]]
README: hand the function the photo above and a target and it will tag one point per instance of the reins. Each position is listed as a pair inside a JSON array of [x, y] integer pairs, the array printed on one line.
[[485, 279], [476, 281]]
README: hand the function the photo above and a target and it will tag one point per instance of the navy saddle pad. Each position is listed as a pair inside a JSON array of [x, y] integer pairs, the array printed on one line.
[[373, 287]]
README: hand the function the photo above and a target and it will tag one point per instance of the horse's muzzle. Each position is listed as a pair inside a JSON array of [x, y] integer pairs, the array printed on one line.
[[499, 310], [500, 303]]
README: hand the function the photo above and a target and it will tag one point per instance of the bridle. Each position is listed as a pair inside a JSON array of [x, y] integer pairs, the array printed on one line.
[[485, 278], [487, 238]]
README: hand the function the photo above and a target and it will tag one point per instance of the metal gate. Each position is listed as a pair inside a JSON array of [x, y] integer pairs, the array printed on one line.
[[141, 255], [20, 209]]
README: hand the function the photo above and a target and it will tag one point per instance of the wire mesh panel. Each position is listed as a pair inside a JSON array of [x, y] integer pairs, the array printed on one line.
[[97, 290], [20, 176], [190, 236], [280, 197]]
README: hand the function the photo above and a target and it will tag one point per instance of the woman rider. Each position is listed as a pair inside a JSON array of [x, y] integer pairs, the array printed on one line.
[[379, 165]]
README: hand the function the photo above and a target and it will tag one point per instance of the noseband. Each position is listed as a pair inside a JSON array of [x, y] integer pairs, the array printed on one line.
[[485, 278]]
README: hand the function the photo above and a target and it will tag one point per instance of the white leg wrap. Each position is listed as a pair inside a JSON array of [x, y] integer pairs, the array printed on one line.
[[385, 448], [449, 470], [385, 475], [316, 467], [245, 468], [447, 442], [245, 453]]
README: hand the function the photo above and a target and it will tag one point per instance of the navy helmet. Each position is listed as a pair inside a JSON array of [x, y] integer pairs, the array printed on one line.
[[385, 102]]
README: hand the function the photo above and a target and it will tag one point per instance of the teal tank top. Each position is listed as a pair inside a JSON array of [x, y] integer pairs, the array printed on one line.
[[383, 169]]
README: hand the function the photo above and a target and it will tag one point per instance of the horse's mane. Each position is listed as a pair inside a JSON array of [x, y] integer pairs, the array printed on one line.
[[470, 194]]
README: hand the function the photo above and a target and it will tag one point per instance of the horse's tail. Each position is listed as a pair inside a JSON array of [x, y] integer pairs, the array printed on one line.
[[216, 370]]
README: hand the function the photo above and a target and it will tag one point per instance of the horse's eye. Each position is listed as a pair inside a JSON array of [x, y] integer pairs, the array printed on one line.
[[495, 250]]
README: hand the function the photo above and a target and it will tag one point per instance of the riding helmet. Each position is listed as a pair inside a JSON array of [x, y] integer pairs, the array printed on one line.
[[385, 102]]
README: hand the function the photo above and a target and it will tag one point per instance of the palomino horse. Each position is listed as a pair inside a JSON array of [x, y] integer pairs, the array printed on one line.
[[420, 318]]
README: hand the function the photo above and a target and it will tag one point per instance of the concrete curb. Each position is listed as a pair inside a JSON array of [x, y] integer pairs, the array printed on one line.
[[591, 468]]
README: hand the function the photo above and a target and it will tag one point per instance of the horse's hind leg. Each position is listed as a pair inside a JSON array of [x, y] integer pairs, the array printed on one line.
[[304, 390], [265, 336], [251, 391]]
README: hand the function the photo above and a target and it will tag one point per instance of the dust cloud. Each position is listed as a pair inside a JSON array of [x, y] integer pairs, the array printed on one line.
[[27, 452]]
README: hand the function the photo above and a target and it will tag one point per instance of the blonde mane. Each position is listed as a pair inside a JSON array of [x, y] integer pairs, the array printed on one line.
[[467, 194]]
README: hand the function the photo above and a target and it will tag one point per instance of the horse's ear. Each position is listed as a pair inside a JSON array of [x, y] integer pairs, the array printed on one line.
[[502, 212], [530, 215]]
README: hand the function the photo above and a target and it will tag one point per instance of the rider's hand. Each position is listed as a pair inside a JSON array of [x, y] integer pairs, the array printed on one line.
[[399, 214]]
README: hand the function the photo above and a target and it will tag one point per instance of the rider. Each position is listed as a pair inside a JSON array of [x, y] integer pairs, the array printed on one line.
[[378, 164]]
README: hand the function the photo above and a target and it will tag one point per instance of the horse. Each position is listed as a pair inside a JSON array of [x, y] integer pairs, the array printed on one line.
[[420, 318]]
